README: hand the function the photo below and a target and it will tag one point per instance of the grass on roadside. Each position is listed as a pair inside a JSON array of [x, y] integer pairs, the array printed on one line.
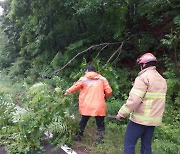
[[113, 139]]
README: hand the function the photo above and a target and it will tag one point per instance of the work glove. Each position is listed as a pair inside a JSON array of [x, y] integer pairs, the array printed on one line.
[[118, 117]]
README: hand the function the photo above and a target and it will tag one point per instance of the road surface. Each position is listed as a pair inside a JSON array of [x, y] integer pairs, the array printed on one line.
[[49, 150]]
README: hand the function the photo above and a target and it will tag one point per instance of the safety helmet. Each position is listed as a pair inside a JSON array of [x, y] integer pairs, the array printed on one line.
[[147, 57]]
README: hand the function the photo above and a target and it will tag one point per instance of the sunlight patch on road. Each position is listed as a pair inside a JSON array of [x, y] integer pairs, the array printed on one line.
[[68, 150]]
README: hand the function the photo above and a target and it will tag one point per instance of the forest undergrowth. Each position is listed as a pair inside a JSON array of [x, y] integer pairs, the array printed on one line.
[[43, 107]]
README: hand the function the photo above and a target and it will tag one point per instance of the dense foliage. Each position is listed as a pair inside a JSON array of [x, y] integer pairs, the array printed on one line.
[[45, 35], [41, 114], [48, 43]]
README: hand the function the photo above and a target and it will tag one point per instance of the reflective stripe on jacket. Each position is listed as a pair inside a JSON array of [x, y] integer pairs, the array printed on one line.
[[94, 88], [146, 101]]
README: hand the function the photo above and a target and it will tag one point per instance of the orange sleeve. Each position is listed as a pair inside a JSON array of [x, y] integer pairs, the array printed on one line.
[[107, 89], [77, 86]]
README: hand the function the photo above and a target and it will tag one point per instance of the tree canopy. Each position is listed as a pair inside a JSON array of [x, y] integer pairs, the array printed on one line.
[[46, 34]]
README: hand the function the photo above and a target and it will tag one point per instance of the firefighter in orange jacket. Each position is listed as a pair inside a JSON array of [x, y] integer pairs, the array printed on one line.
[[94, 88], [145, 104]]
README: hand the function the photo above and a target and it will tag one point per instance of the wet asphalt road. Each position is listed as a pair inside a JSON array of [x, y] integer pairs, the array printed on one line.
[[48, 148]]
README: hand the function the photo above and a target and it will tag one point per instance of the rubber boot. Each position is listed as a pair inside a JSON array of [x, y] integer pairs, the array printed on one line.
[[78, 136], [99, 137]]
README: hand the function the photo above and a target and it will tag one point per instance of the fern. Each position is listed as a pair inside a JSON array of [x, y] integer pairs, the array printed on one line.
[[6, 110], [57, 125], [38, 87]]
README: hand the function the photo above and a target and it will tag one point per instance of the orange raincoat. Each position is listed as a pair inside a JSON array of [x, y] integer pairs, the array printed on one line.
[[94, 88]]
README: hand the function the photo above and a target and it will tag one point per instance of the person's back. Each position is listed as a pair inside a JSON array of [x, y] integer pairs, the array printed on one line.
[[94, 88], [150, 111], [146, 104], [156, 81], [92, 95]]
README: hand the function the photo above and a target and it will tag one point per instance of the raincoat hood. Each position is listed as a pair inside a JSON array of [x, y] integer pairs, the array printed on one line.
[[91, 75]]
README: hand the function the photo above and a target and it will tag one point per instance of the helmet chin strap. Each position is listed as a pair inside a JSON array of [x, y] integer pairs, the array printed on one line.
[[142, 66]]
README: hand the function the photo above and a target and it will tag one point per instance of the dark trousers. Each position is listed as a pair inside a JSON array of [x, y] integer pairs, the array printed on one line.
[[135, 131], [99, 123]]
